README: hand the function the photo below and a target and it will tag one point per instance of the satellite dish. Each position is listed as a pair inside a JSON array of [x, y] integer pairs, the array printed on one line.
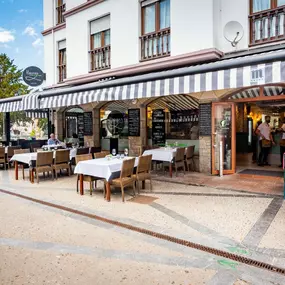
[[233, 32]]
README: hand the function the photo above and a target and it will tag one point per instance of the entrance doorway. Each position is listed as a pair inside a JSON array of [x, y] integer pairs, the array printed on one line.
[[234, 122]]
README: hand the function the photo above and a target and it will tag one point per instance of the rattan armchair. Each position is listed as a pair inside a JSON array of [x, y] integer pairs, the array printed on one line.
[[10, 153], [61, 161], [86, 178], [81, 151], [143, 170], [179, 160], [44, 164], [3, 157], [99, 155], [20, 164], [189, 159], [126, 177]]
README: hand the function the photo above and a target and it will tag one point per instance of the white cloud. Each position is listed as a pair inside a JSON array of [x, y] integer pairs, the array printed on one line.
[[30, 31], [22, 11], [6, 36], [4, 46], [38, 43]]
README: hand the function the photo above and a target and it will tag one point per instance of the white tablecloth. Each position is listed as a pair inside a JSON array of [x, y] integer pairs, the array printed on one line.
[[101, 167], [161, 154], [54, 145], [29, 157]]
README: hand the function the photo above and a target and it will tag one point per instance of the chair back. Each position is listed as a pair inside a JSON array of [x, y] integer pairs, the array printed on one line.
[[34, 146], [20, 151], [144, 164], [68, 145], [81, 151], [62, 156], [99, 155], [94, 149], [128, 167], [180, 152], [44, 158], [2, 152], [190, 152], [83, 157], [106, 152], [11, 150]]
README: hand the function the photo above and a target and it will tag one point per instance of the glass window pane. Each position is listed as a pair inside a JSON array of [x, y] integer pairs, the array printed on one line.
[[260, 5], [107, 38], [280, 2], [164, 14], [97, 40], [149, 19]]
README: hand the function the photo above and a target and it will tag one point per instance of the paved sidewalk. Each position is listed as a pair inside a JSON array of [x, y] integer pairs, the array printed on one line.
[[40, 243]]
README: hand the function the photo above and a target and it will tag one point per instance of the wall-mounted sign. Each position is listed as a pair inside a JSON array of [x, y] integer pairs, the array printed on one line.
[[205, 119], [134, 122], [115, 123], [33, 76], [158, 127], [88, 123]]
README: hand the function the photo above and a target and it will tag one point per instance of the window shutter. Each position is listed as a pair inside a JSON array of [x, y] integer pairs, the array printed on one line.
[[100, 25], [62, 45]]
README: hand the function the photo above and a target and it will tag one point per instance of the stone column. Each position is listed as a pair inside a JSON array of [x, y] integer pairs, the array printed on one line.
[[205, 157]]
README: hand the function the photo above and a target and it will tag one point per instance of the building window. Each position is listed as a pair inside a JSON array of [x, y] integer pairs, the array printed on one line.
[[155, 39], [61, 61], [60, 9], [267, 21], [100, 44]]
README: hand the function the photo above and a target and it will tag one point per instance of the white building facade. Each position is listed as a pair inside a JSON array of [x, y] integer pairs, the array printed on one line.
[[133, 31]]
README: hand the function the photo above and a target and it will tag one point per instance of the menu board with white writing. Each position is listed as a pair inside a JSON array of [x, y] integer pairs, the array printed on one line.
[[134, 122], [205, 119], [158, 127], [88, 123], [80, 124]]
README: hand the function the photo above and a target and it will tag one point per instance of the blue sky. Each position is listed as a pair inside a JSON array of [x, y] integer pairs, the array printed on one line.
[[21, 24]]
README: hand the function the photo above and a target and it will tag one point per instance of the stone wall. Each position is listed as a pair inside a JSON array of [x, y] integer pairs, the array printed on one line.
[[205, 154]]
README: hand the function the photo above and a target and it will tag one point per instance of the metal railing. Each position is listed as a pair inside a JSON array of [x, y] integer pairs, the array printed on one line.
[[154, 45], [267, 26], [100, 58]]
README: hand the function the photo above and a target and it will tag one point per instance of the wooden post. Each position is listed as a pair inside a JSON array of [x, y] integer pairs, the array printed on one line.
[[108, 192], [170, 169]]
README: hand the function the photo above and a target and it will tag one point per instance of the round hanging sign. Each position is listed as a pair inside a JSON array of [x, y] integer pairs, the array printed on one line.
[[33, 76]]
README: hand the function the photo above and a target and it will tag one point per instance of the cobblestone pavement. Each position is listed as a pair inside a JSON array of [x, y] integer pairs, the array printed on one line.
[[41, 244]]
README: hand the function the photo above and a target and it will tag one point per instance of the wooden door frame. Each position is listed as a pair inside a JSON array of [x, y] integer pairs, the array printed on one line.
[[233, 139]]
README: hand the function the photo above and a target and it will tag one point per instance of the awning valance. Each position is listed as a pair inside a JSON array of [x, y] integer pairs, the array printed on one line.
[[37, 114], [254, 70], [10, 106]]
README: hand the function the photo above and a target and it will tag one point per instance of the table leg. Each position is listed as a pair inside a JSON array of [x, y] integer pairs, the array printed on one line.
[[143, 184], [81, 184], [16, 170], [32, 176], [108, 191], [170, 169]]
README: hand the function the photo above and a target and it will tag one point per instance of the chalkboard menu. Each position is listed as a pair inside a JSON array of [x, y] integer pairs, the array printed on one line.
[[205, 119], [80, 124], [158, 127], [134, 122], [88, 123]]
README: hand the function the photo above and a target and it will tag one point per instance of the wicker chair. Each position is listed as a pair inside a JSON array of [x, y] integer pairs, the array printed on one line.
[[106, 152], [189, 159], [44, 164], [126, 177], [143, 170], [179, 160], [61, 161], [3, 157], [86, 178], [95, 149], [99, 155], [10, 153], [20, 164], [84, 150], [34, 146]]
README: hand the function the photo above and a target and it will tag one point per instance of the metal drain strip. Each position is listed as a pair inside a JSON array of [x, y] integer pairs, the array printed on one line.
[[217, 252]]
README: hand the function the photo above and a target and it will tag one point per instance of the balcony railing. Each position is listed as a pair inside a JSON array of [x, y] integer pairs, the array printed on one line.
[[154, 45], [100, 58], [61, 72], [59, 11], [267, 26]]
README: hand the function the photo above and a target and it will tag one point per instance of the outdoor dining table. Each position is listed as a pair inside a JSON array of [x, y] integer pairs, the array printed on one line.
[[164, 154], [29, 159], [105, 168]]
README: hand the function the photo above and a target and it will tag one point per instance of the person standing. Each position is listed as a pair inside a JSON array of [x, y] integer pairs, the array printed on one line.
[[255, 143], [282, 143], [265, 141]]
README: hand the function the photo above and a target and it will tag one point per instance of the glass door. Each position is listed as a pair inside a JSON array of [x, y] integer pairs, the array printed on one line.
[[223, 132]]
